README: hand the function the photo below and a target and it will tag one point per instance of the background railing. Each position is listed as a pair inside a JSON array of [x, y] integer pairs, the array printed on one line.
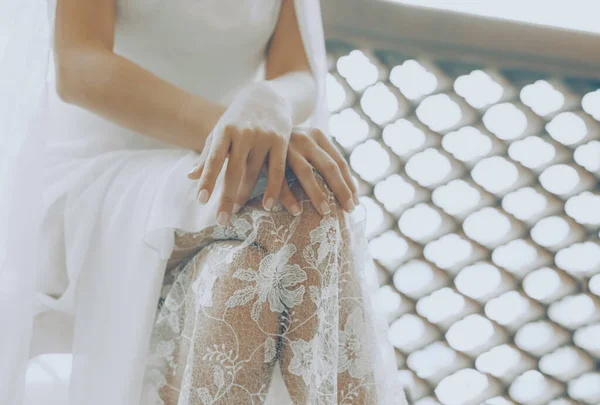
[[476, 143]]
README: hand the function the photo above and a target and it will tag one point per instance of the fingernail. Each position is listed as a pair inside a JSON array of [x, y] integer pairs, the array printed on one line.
[[203, 196], [356, 200], [295, 210], [350, 205], [236, 208], [269, 204], [325, 208], [223, 219], [193, 169]]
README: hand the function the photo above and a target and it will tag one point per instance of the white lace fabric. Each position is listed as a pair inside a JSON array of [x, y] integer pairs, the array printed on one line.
[[271, 289]]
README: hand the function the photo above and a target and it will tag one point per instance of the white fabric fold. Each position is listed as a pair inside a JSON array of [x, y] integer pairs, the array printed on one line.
[[23, 69]]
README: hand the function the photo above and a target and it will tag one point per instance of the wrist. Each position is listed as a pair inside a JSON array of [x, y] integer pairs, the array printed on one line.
[[298, 89], [280, 95], [272, 106], [199, 118]]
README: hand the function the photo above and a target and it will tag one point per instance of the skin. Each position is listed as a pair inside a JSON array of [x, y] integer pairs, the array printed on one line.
[[92, 76]]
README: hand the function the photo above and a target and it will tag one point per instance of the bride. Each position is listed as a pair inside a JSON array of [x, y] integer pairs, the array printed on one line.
[[199, 235]]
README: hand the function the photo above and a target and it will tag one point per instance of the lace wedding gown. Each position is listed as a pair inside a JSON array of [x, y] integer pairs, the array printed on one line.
[[158, 304]]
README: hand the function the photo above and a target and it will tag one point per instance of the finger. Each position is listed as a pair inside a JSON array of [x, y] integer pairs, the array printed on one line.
[[330, 171], [196, 171], [276, 175], [288, 200], [219, 149], [233, 176], [306, 177], [254, 165], [337, 157]]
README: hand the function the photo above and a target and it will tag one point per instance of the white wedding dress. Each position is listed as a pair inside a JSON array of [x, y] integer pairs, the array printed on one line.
[[123, 235]]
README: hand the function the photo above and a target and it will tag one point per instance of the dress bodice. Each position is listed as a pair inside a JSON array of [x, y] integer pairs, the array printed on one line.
[[211, 48], [208, 47]]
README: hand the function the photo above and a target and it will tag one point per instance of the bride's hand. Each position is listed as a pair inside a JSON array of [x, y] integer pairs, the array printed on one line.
[[257, 124], [308, 149]]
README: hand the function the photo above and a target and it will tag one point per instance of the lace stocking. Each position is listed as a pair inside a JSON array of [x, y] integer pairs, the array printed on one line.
[[268, 288]]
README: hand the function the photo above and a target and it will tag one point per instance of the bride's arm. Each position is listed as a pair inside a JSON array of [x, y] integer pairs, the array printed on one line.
[[288, 77], [287, 66], [92, 76]]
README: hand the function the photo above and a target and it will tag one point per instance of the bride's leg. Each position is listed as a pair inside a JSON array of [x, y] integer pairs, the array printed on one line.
[[323, 353], [220, 356], [285, 290]]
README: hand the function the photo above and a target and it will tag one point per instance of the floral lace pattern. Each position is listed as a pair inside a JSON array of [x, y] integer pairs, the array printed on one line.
[[268, 288]]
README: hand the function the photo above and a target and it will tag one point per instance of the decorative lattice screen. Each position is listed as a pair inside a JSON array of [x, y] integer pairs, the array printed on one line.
[[482, 191]]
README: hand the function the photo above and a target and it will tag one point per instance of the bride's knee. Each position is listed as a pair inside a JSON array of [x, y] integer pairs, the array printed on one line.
[[278, 226], [310, 217]]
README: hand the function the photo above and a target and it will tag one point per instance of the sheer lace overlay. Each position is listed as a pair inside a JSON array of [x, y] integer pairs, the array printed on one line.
[[269, 288]]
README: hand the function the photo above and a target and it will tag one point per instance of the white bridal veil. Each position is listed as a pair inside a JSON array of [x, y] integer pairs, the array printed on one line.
[[23, 70]]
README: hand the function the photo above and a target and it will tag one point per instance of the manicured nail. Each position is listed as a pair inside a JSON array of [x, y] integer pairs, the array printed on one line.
[[350, 205], [223, 219], [193, 169], [236, 208], [295, 210], [203, 196], [325, 208], [269, 204], [356, 200]]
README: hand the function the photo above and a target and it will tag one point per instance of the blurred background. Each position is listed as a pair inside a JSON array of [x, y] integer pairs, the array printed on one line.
[[473, 128]]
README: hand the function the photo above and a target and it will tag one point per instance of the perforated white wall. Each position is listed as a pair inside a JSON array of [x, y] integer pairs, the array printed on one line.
[[482, 191]]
